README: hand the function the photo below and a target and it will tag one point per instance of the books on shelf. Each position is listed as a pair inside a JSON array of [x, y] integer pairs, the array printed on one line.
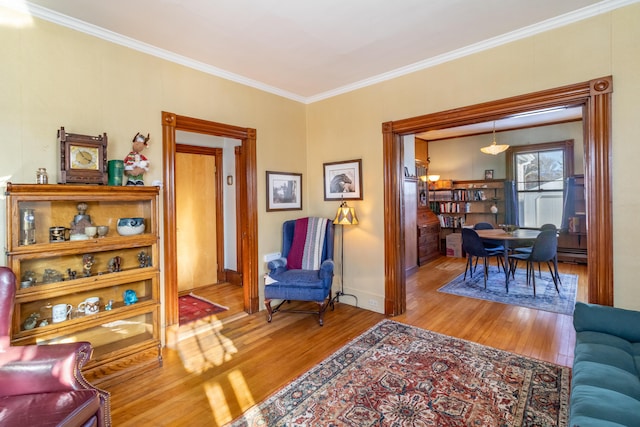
[[458, 195], [447, 221]]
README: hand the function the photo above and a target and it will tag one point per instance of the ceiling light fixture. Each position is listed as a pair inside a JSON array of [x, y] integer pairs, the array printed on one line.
[[494, 148]]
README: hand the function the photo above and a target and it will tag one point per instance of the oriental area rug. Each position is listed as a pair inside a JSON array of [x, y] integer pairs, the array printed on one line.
[[521, 294], [192, 307], [399, 375]]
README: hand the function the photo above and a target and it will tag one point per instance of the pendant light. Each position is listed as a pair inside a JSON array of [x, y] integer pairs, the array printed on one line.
[[494, 148]]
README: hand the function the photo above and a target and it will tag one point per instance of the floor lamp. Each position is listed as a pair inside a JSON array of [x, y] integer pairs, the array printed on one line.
[[344, 216]]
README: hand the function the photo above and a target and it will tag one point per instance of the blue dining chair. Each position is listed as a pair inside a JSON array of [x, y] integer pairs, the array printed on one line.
[[527, 250], [544, 249], [493, 246], [473, 245]]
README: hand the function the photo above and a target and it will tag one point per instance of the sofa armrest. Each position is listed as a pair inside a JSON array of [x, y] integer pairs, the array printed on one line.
[[609, 320], [278, 264], [326, 269], [43, 368]]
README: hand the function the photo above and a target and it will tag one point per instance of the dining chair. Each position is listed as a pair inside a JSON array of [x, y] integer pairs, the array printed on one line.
[[473, 245], [544, 249], [489, 245], [527, 249]]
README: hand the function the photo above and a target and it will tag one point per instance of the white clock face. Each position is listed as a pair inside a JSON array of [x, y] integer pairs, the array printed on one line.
[[85, 158]]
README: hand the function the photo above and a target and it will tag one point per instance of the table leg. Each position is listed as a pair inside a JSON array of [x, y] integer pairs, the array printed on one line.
[[506, 264]]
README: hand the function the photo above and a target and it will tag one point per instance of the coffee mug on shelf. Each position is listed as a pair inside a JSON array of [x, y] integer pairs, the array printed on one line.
[[60, 312], [89, 306]]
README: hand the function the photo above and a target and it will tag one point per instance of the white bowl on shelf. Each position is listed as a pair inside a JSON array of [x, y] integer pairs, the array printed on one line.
[[130, 226]]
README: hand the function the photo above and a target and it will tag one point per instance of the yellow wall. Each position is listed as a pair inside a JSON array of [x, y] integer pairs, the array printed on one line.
[[349, 126], [52, 76]]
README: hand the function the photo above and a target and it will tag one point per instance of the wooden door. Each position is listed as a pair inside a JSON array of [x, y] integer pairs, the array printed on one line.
[[195, 189]]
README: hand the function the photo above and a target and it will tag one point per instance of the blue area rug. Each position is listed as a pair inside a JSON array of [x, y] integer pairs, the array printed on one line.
[[520, 294]]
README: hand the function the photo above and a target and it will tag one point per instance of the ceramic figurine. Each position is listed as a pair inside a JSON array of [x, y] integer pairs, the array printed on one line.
[[108, 305], [144, 260], [52, 276], [31, 321], [130, 297], [87, 263], [114, 264], [136, 164], [80, 221]]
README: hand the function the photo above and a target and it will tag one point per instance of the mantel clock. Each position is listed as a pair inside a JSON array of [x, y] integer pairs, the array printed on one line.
[[83, 158]]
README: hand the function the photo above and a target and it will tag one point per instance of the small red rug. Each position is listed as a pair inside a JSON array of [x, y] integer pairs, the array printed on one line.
[[192, 307]]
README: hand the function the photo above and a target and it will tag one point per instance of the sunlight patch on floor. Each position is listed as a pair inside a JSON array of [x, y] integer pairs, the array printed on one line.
[[205, 347], [219, 402]]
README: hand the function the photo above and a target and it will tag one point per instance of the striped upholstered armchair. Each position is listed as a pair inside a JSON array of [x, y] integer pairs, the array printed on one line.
[[305, 270]]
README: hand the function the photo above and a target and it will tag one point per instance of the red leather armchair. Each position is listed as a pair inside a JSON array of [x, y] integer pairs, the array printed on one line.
[[41, 385]]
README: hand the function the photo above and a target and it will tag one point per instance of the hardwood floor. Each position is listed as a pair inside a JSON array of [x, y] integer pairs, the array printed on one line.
[[220, 371]]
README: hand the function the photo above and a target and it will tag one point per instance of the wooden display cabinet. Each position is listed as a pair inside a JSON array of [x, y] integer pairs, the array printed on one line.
[[125, 336]]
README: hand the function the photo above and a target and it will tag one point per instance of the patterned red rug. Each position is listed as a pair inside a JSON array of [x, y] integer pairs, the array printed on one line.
[[400, 375], [192, 307]]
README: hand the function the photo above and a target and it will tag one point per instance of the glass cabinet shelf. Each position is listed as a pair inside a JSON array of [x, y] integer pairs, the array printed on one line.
[[103, 289]]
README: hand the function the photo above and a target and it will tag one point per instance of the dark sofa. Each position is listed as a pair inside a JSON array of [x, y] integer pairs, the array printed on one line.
[[605, 388]]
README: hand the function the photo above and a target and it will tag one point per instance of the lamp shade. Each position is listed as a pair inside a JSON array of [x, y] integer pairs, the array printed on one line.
[[345, 215], [494, 148]]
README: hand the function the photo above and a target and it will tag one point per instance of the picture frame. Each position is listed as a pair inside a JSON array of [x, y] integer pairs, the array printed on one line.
[[284, 191], [83, 158], [488, 174], [343, 180]]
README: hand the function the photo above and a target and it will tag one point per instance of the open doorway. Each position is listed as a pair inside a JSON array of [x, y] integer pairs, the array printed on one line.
[[200, 231], [595, 98], [247, 222]]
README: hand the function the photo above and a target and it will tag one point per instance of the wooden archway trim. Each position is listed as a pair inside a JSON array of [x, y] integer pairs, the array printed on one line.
[[595, 98], [247, 220]]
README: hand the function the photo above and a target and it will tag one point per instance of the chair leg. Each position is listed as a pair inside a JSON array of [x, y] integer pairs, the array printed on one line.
[[539, 271], [267, 304], [468, 267], [486, 270], [553, 276], [532, 276], [555, 266], [513, 267]]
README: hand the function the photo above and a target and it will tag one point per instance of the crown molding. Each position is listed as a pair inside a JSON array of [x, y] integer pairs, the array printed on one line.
[[113, 37], [540, 27], [93, 30]]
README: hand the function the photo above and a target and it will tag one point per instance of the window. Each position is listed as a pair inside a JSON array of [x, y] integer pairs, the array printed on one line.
[[539, 172]]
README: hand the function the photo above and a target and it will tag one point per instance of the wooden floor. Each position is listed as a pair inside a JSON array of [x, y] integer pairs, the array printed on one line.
[[218, 372]]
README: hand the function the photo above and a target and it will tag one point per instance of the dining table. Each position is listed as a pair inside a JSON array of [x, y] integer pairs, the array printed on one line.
[[519, 237]]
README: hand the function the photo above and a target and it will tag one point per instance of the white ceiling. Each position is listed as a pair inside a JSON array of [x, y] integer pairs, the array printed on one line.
[[309, 50]]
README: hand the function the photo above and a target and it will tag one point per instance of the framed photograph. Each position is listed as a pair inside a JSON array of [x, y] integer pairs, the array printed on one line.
[[284, 191], [343, 180], [488, 174]]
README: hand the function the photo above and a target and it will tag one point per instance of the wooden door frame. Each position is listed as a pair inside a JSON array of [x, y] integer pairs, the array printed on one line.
[[595, 98], [247, 219], [217, 153]]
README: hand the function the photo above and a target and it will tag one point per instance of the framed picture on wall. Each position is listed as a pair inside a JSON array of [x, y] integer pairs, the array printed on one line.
[[488, 174], [343, 180], [284, 191]]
